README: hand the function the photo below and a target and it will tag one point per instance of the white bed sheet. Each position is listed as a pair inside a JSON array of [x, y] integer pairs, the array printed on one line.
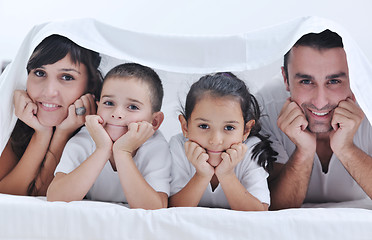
[[34, 218]]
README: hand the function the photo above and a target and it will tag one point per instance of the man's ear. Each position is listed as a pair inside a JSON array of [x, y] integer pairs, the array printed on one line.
[[157, 119], [247, 130], [183, 123], [285, 78]]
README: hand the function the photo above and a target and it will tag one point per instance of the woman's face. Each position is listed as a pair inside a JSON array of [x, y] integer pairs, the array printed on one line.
[[54, 87]]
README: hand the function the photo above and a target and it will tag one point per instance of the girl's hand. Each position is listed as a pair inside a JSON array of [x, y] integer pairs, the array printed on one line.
[[198, 158], [73, 121], [138, 133], [25, 109], [97, 132], [230, 159]]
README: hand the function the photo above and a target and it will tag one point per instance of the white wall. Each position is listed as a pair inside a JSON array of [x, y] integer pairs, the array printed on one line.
[[181, 16]]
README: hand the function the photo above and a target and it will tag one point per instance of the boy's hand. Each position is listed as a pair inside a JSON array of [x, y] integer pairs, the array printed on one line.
[[230, 159], [97, 132], [73, 121], [138, 133], [25, 109], [198, 158]]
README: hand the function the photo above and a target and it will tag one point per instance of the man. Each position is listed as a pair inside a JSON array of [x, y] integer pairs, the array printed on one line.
[[324, 142]]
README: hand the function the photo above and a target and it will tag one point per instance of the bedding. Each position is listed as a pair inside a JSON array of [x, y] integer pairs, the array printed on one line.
[[256, 57]]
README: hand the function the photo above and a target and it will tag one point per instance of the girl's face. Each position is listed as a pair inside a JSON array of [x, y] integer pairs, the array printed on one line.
[[215, 124], [123, 101], [54, 87]]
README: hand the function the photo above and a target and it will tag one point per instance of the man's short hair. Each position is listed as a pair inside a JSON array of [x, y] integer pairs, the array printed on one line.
[[320, 41]]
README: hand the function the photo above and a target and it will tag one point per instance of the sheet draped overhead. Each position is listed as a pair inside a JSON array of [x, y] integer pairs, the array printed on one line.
[[177, 56]]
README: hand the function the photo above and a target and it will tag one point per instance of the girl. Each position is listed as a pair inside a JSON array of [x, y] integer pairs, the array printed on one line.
[[60, 75], [213, 162]]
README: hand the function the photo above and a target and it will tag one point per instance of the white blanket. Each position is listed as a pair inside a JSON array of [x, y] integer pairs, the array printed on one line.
[[254, 56]]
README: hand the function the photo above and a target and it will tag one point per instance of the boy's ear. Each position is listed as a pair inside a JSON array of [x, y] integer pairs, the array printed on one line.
[[157, 119], [183, 123], [247, 129]]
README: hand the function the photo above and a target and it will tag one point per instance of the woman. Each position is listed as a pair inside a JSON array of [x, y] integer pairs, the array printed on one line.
[[62, 81]]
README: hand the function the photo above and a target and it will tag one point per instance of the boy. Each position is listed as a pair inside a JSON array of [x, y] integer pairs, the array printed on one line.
[[120, 156]]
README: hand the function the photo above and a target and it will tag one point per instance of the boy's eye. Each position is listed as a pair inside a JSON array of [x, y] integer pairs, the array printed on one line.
[[229, 128], [203, 126], [67, 77], [39, 73], [108, 103], [133, 107]]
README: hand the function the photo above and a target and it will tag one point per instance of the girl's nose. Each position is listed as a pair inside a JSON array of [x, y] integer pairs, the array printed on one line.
[[118, 114], [216, 138]]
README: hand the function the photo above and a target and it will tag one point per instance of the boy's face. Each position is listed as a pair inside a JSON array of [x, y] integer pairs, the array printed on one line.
[[123, 101]]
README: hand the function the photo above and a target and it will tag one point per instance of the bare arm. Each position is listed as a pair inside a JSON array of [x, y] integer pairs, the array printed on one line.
[[288, 183], [345, 122], [17, 179]]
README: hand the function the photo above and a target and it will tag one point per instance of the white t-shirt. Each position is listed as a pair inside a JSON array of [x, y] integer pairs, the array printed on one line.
[[252, 176], [336, 185], [152, 159]]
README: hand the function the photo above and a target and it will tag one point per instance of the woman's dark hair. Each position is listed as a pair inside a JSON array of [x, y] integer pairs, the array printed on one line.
[[226, 84], [49, 51]]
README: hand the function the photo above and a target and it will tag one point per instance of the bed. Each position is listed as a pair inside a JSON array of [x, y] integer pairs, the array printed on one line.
[[254, 56]]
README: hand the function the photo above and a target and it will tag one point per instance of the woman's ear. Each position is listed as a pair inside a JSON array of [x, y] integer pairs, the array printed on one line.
[[157, 119], [183, 123], [247, 129]]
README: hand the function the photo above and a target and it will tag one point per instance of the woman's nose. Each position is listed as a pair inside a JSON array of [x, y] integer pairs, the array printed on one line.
[[50, 88]]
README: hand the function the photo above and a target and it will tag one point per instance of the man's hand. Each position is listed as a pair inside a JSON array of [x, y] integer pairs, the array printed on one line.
[[292, 121], [346, 120]]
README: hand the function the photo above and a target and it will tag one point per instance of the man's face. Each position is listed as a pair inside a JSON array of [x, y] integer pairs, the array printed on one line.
[[318, 80]]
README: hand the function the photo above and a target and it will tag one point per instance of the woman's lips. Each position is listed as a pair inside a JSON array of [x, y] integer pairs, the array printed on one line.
[[49, 106]]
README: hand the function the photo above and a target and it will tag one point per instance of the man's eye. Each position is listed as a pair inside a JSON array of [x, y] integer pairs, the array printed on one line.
[[108, 103], [229, 128], [133, 107], [39, 73], [203, 126], [334, 81], [305, 81]]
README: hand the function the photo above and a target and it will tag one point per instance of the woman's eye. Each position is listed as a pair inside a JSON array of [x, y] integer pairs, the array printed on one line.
[[203, 126], [67, 77], [133, 107], [229, 128], [39, 73], [108, 103]]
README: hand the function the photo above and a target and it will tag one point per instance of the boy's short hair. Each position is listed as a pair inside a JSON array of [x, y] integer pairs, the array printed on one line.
[[144, 74]]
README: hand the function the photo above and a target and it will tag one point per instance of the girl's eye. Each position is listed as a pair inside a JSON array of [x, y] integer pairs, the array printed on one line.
[[39, 73], [229, 128], [67, 77], [133, 107], [108, 103], [203, 126]]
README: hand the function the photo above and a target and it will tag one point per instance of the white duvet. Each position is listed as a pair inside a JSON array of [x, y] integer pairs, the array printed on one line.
[[256, 57]]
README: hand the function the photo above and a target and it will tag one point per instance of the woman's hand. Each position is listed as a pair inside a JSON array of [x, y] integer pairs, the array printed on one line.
[[74, 121], [26, 109]]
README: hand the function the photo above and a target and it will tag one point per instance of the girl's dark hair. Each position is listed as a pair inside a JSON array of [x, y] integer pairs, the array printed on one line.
[[49, 51], [226, 84]]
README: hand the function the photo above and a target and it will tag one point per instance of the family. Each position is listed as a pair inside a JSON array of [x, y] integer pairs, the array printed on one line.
[[80, 135]]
